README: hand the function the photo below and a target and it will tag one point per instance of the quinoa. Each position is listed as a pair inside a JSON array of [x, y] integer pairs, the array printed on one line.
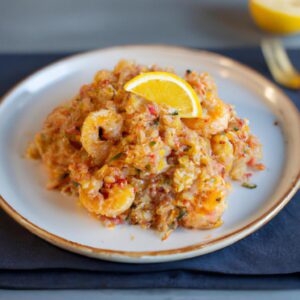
[[176, 172]]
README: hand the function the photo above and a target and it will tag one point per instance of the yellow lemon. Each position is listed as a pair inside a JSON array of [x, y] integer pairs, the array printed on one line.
[[276, 16], [166, 88]]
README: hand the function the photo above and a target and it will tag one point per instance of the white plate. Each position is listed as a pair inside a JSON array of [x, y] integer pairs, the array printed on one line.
[[60, 220]]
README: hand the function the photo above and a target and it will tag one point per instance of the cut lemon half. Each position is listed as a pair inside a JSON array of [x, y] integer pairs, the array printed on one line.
[[276, 16], [169, 89]]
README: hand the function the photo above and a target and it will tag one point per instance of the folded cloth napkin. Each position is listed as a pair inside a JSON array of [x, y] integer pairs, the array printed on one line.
[[267, 259]]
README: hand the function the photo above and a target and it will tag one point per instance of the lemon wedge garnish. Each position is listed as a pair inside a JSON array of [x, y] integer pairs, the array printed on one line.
[[276, 16], [166, 88]]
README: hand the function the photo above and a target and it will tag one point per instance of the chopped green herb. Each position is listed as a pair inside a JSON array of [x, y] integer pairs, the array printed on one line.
[[117, 156], [249, 185], [152, 143], [127, 219], [76, 184], [174, 113], [188, 71], [182, 213], [235, 129], [156, 121], [148, 167]]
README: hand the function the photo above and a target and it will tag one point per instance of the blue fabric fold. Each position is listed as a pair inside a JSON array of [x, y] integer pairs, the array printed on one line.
[[267, 259]]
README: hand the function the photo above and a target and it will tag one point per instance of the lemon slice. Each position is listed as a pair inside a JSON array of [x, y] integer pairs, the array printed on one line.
[[166, 88], [277, 16]]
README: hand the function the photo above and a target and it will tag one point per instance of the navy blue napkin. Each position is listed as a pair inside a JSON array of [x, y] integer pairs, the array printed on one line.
[[267, 259]]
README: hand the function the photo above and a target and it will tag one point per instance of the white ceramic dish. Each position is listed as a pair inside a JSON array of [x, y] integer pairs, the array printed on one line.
[[59, 220]]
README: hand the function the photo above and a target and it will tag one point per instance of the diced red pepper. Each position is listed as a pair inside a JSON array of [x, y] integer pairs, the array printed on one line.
[[105, 194], [105, 81], [251, 162], [109, 185], [152, 155], [121, 182], [240, 122], [152, 110]]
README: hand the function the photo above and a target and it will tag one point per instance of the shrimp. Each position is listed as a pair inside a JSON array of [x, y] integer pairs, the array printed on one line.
[[204, 220], [106, 194], [215, 118], [208, 205], [100, 129]]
